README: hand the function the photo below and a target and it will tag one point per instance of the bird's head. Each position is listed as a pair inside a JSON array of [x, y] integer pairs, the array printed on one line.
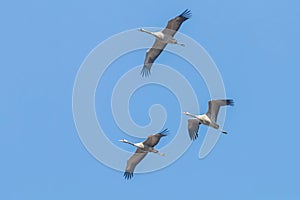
[[124, 141], [185, 113], [141, 29]]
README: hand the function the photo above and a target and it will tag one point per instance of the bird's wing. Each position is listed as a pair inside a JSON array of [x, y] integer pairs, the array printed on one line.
[[193, 127], [214, 107], [132, 162], [151, 56], [153, 140], [175, 23]]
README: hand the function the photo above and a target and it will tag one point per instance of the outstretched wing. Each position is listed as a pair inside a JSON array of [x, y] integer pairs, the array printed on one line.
[[132, 163], [193, 127], [214, 107], [175, 23], [151, 56], [153, 140]]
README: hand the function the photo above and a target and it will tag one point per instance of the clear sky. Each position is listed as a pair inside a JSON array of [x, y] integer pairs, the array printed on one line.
[[255, 45]]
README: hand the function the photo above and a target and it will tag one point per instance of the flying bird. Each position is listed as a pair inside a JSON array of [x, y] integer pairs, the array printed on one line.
[[163, 37], [142, 149], [208, 119]]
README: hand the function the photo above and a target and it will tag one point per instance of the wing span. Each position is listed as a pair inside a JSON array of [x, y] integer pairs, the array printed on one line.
[[132, 163], [175, 23], [153, 140], [151, 56], [193, 127], [214, 107]]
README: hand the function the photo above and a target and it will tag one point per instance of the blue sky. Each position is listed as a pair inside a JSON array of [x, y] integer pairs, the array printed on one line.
[[255, 46]]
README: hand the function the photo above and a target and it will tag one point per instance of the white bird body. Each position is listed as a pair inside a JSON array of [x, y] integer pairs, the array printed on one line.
[[204, 119], [208, 119], [139, 145]]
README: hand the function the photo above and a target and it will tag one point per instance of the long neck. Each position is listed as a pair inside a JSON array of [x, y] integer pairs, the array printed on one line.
[[192, 115], [149, 32], [128, 143]]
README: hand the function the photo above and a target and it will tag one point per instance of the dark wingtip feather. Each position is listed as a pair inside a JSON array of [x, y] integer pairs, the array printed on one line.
[[186, 14], [195, 137], [128, 175], [230, 102], [145, 72], [164, 132]]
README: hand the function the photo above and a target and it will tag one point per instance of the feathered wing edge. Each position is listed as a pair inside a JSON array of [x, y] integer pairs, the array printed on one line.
[[193, 128], [164, 132], [146, 70], [214, 107], [186, 14], [132, 162], [151, 55], [128, 175], [138, 156]]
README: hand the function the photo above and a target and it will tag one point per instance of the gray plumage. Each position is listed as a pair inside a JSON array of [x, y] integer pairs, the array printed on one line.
[[133, 161], [214, 107], [193, 127], [162, 39], [175, 23], [151, 56], [142, 149], [208, 119]]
